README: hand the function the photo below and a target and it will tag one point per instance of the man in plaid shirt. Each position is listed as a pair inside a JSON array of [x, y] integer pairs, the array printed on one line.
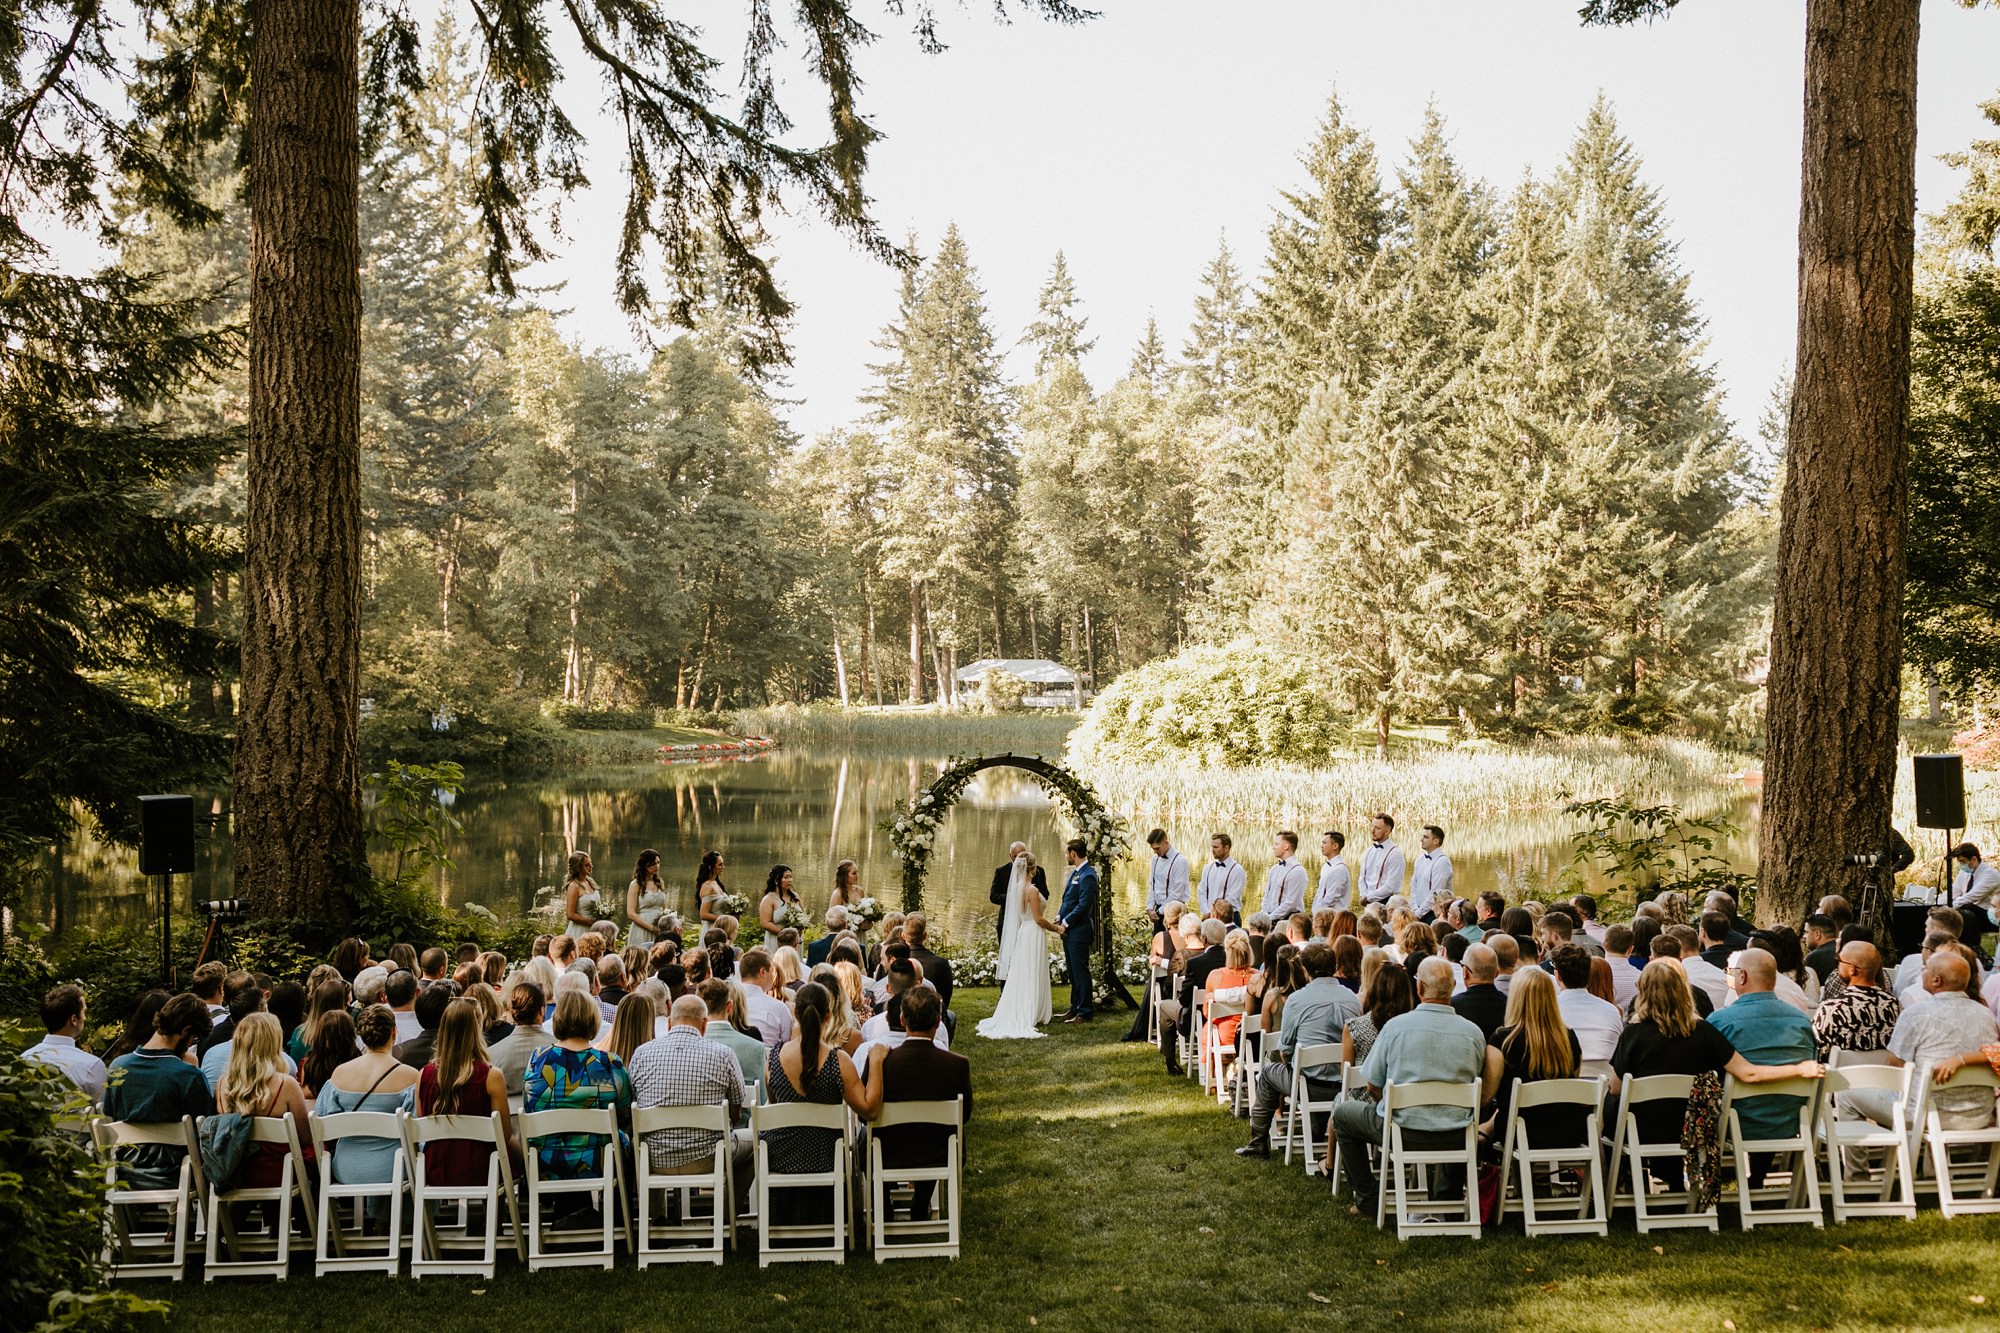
[[685, 1068]]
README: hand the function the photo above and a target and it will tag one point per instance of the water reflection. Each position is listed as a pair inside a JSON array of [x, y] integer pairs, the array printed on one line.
[[808, 810]]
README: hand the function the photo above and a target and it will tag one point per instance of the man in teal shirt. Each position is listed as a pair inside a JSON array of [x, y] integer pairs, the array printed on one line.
[[156, 1085], [1765, 1030], [1315, 1015]]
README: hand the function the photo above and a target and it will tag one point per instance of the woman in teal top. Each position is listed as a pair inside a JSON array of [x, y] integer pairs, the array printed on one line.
[[573, 1076], [376, 1081]]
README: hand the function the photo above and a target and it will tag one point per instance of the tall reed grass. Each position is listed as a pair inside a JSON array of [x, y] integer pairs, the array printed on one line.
[[1444, 784], [912, 730]]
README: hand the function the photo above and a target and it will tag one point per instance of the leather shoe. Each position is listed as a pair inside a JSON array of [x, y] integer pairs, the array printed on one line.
[[1255, 1148], [1175, 1071], [1077, 1018]]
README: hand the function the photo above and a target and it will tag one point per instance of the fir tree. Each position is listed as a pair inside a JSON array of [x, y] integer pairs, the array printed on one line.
[[1214, 360], [1057, 331]]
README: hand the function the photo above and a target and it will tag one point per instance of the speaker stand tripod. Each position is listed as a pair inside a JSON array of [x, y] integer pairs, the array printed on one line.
[[167, 978]]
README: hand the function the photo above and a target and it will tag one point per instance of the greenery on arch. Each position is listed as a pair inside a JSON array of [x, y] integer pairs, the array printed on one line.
[[913, 828]]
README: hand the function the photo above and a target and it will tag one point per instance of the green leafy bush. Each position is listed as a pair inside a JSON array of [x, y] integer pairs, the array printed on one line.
[[1239, 704], [1002, 691], [604, 719]]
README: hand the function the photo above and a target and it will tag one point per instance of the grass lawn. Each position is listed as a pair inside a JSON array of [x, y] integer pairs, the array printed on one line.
[[1103, 1195]]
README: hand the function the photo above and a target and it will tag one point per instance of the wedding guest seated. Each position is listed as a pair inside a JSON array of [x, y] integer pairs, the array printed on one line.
[[1617, 944], [1535, 1044], [610, 984], [1228, 985], [1595, 1022], [1766, 1030], [375, 1080], [842, 1028], [1709, 977], [919, 1070], [1315, 1014], [369, 984], [62, 1020], [1430, 1043], [334, 1043], [1936, 1036], [761, 995], [1796, 984], [572, 1075], [1585, 909], [748, 1050], [886, 1021], [1481, 1001], [804, 1069], [246, 999], [1822, 944], [1939, 921], [719, 940], [1859, 1015], [1912, 991], [933, 967], [1385, 996], [836, 921], [1177, 1013], [459, 1080], [495, 1025], [562, 951], [510, 1056], [1347, 961], [853, 988], [1368, 929], [254, 1083], [156, 1084], [631, 1027]]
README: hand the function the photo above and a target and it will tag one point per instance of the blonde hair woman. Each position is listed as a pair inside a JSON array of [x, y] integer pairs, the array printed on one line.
[[1534, 1044], [789, 966], [854, 989], [840, 1028], [255, 1083]]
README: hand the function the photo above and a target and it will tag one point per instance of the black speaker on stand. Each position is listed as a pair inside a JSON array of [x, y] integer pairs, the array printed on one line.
[[1940, 783], [166, 849]]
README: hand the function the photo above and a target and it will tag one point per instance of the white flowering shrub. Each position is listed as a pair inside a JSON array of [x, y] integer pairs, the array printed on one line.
[[1237, 704]]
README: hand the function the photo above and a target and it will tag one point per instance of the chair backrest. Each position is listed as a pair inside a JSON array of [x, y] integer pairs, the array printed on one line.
[[1968, 1076], [919, 1113], [650, 1119], [1878, 1077], [126, 1134], [1559, 1091], [271, 1129], [1777, 1087], [799, 1115], [1842, 1059], [467, 1128], [1400, 1096], [1317, 1054], [1251, 1026], [569, 1120], [357, 1125], [1658, 1088]]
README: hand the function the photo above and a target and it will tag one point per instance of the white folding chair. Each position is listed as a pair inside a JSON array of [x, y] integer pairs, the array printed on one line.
[[265, 1253], [1634, 1152], [682, 1233], [458, 1248], [348, 1247], [574, 1247], [1839, 1058], [1797, 1200], [932, 1236], [1248, 1065], [1216, 1062], [818, 1240], [1977, 1170], [1159, 977], [1840, 1134], [1417, 1210], [1588, 1212], [1301, 1108], [1191, 1046], [132, 1251]]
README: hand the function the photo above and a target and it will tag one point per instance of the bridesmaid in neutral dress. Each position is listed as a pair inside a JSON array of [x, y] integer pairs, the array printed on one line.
[[645, 901]]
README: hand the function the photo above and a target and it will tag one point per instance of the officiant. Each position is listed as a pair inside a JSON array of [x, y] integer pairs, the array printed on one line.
[[998, 896]]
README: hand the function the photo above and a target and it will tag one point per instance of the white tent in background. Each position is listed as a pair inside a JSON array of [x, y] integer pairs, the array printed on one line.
[[1055, 685]]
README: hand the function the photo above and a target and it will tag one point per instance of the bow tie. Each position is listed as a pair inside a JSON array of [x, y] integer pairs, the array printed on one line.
[[1222, 863], [1379, 845]]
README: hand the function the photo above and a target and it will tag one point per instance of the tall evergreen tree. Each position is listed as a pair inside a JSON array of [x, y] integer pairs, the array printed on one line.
[[1056, 333], [1214, 361]]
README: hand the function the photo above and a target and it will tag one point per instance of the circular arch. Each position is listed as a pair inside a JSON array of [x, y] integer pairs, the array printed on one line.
[[913, 830]]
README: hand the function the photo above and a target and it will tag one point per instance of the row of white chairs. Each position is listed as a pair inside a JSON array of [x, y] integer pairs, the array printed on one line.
[[679, 1215]]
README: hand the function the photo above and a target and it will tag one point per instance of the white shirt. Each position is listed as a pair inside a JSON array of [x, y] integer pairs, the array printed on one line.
[[1624, 981], [1381, 872], [1284, 889], [770, 1017], [216, 1062], [407, 1026], [79, 1066], [1219, 880], [1595, 1022], [1708, 977], [1596, 932], [1976, 888], [1167, 885], [877, 1032], [1429, 879], [1336, 886]]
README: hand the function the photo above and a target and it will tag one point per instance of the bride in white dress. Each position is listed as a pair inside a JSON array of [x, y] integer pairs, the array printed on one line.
[[1025, 1001]]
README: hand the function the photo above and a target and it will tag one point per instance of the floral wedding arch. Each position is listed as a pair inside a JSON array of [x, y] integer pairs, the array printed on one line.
[[1107, 836]]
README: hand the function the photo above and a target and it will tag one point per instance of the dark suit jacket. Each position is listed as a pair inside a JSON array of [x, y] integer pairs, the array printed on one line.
[[1195, 978], [219, 1031], [917, 1071], [1717, 955], [416, 1052], [998, 894], [817, 951], [937, 971], [1483, 1005]]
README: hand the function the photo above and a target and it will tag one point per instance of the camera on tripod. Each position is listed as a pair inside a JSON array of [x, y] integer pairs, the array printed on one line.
[[224, 909], [1870, 859]]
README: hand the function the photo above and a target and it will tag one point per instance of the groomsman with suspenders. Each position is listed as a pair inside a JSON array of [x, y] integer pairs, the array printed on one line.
[[1430, 878], [1170, 878], [1336, 885], [1222, 878], [1285, 882], [1382, 863]]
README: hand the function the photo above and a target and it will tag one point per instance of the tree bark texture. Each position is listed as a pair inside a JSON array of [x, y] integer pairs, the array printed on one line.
[[1836, 638], [299, 841]]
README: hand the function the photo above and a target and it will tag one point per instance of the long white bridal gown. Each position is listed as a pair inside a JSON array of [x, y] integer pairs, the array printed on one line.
[[1025, 1000]]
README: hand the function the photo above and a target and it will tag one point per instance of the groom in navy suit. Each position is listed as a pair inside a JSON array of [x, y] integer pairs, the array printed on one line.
[[1077, 919]]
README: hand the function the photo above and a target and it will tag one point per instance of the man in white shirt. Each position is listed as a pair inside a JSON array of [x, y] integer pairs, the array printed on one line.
[[1169, 880], [1381, 864], [1703, 975], [1285, 882], [1595, 1022], [1222, 879], [768, 1014], [62, 1018], [1975, 890], [1624, 976], [1430, 878], [1336, 884]]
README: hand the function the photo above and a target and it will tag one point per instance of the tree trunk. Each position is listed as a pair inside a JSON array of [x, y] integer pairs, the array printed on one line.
[[839, 666], [916, 691], [299, 844], [201, 689], [1836, 620]]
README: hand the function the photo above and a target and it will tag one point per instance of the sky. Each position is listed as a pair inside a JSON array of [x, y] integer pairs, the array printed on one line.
[[1132, 143]]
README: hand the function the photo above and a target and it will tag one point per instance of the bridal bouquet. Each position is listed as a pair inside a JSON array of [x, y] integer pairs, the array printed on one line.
[[732, 904], [793, 917], [867, 912]]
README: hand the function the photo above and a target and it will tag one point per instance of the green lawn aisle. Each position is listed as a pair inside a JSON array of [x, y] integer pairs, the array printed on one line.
[[1103, 1195]]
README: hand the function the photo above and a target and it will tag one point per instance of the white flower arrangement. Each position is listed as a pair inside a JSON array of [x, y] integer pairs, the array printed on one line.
[[867, 912], [793, 917], [732, 904]]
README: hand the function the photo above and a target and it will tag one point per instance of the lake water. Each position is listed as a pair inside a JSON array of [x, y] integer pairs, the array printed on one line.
[[808, 809]]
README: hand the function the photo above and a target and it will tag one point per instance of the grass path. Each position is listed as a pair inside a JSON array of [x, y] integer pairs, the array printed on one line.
[[1102, 1195]]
